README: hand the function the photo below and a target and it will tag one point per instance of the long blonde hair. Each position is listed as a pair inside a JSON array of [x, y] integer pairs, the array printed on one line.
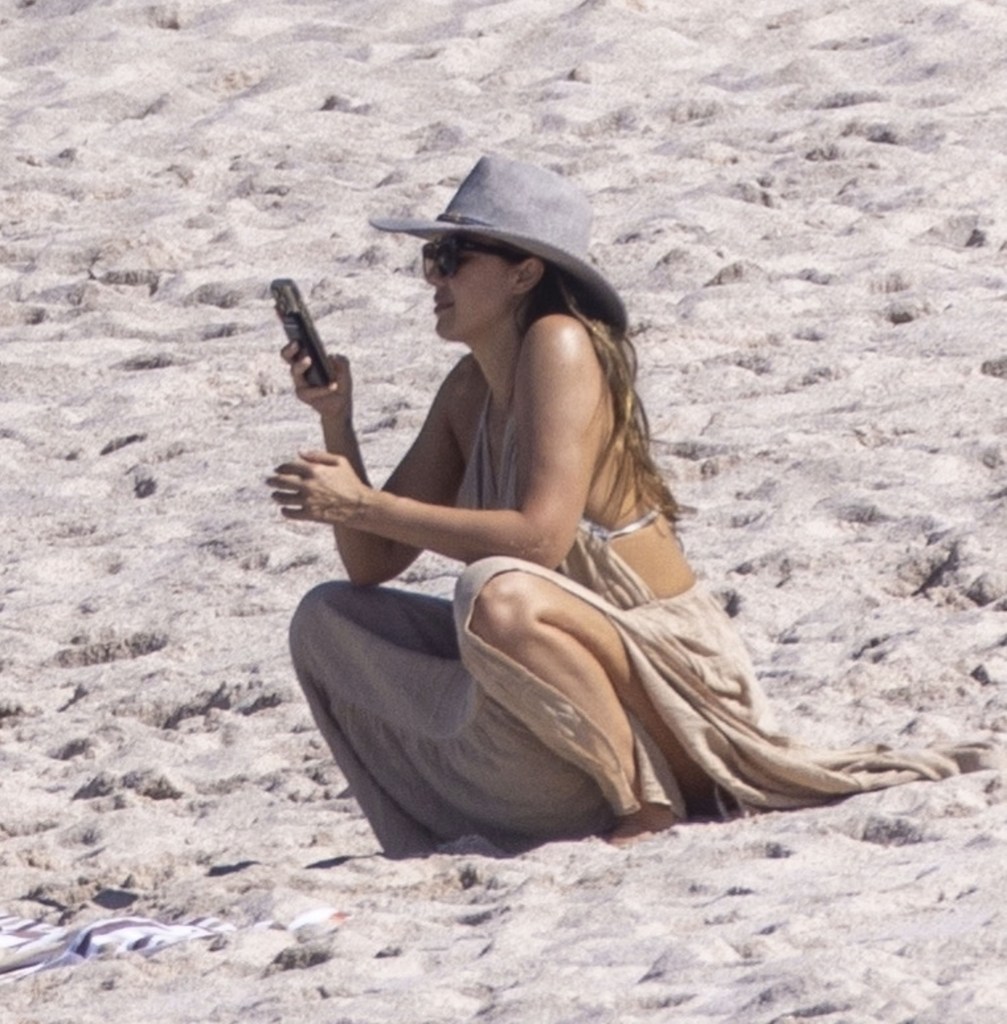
[[630, 436]]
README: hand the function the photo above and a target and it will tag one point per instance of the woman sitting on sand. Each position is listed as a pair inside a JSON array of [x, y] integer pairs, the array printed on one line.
[[581, 682]]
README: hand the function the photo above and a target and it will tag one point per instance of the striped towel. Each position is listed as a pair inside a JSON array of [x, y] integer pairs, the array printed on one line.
[[29, 946]]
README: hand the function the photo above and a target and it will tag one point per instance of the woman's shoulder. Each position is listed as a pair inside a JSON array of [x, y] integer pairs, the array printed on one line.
[[558, 343], [557, 325], [560, 336]]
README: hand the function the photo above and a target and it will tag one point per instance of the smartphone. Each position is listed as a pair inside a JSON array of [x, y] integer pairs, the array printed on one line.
[[300, 329]]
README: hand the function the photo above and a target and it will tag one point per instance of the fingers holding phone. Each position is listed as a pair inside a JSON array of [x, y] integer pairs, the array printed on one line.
[[320, 380], [334, 398]]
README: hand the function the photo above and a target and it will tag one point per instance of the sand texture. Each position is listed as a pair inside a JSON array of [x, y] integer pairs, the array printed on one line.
[[805, 207]]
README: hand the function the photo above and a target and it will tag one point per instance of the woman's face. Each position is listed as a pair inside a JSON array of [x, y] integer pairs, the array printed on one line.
[[477, 287]]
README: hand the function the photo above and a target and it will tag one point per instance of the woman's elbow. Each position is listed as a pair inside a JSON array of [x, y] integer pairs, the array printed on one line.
[[360, 578], [370, 572]]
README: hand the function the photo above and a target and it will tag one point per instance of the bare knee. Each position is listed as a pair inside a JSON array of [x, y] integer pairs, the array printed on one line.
[[508, 606]]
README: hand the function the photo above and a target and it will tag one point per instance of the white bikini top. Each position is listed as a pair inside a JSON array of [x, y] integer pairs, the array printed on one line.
[[604, 534]]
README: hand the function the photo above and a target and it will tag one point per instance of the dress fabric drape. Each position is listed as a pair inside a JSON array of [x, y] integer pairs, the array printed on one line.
[[441, 736]]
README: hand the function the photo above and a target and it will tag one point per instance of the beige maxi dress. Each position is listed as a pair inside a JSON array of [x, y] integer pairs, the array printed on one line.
[[441, 736]]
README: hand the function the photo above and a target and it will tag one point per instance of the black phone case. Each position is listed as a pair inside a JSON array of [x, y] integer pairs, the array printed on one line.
[[300, 329]]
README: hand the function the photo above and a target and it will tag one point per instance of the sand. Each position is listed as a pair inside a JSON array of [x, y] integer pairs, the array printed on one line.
[[804, 207]]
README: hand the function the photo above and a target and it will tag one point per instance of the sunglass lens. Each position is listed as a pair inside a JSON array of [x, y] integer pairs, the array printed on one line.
[[440, 258]]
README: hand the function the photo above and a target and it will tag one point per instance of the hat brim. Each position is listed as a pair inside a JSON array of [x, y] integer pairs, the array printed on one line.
[[609, 306]]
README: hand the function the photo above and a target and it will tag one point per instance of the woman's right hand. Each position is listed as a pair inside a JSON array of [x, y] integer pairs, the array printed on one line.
[[334, 400]]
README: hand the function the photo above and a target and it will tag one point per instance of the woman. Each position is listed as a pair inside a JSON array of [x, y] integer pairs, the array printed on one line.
[[581, 682]]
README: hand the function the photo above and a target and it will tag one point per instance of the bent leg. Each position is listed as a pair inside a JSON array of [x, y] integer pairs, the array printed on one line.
[[565, 644], [574, 648], [428, 756], [336, 632]]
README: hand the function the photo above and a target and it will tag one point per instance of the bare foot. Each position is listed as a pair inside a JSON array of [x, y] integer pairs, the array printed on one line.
[[649, 820]]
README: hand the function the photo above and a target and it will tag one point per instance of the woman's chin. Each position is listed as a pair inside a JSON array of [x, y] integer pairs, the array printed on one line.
[[444, 329]]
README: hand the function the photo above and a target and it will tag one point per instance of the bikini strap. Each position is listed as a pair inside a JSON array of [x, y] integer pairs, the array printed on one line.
[[604, 534]]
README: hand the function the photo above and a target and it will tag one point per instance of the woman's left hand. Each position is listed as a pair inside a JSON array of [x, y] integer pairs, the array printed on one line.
[[318, 487]]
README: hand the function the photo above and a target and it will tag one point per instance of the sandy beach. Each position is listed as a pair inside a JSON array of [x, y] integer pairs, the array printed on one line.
[[804, 206]]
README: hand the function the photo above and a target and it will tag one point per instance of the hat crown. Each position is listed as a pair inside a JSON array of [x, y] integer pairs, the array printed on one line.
[[533, 210], [525, 201]]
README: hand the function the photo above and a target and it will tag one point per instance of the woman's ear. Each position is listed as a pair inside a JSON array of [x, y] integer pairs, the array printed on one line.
[[527, 274]]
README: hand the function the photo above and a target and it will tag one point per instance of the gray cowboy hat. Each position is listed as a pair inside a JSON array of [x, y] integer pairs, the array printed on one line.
[[532, 209]]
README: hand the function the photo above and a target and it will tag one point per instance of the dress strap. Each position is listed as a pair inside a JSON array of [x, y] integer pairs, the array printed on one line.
[[485, 486]]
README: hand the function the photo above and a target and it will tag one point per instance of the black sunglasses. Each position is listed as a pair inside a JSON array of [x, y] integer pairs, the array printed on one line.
[[443, 257]]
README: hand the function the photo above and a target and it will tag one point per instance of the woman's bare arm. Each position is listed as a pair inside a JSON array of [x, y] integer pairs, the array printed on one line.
[[558, 401], [429, 473]]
